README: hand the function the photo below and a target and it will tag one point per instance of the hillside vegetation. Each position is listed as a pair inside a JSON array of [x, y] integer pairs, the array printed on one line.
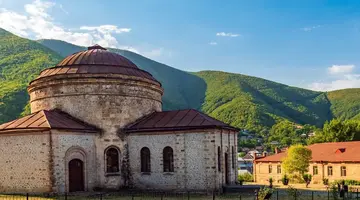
[[242, 101], [255, 103], [21, 60]]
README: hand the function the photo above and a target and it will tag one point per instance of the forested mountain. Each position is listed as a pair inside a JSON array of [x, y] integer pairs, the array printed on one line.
[[243, 101], [21, 60]]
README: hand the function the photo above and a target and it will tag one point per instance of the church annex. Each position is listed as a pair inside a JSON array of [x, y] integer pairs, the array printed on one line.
[[96, 122]]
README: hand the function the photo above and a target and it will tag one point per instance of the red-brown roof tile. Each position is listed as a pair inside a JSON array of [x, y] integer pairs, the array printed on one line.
[[326, 152], [176, 120], [45, 119], [96, 60]]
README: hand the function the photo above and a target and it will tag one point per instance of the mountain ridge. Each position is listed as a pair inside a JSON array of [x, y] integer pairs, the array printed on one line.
[[246, 102]]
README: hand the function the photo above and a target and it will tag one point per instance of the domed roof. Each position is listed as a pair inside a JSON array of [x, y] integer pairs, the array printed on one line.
[[96, 60]]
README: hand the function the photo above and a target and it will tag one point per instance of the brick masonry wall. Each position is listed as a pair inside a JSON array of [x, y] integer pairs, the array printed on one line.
[[195, 161], [25, 165], [262, 174], [73, 145]]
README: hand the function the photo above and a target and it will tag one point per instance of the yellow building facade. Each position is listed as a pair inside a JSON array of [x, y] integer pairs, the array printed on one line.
[[332, 161]]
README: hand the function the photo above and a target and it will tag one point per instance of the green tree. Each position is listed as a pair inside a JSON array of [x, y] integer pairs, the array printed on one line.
[[287, 133], [338, 131], [297, 160]]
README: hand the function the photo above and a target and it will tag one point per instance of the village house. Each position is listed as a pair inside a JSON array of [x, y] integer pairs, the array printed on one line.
[[96, 122], [334, 161]]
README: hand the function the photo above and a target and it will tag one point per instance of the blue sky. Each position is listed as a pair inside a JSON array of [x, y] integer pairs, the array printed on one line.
[[311, 44]]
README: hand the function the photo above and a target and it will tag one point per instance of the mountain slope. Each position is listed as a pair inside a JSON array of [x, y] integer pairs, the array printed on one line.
[[20, 61], [256, 103], [242, 101], [345, 104]]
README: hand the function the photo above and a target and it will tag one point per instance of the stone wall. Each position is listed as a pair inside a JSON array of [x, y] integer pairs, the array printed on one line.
[[226, 140], [25, 162], [73, 145], [108, 103], [262, 174], [195, 160]]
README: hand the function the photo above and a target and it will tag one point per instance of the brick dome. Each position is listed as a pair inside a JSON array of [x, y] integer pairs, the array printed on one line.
[[96, 60]]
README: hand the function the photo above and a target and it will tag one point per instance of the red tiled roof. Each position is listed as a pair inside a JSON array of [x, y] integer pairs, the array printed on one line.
[[176, 120], [44, 119], [96, 60], [326, 152]]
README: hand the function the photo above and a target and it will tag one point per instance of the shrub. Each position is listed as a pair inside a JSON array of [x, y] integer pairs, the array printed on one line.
[[334, 191], [265, 193], [293, 192], [325, 181], [271, 180], [348, 182], [307, 179], [246, 177], [296, 178], [285, 180]]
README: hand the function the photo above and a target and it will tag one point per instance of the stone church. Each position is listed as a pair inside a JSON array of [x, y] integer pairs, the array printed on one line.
[[96, 123]]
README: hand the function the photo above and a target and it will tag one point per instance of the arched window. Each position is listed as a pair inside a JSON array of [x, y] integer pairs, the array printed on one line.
[[168, 159], [112, 160], [145, 159], [219, 159]]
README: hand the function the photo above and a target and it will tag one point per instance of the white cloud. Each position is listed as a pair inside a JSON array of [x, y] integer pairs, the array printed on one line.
[[223, 34], [106, 28], [310, 28], [352, 81], [213, 43], [38, 9], [37, 23], [345, 79], [341, 69]]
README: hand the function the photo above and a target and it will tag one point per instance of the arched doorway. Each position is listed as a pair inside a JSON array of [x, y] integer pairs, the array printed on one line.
[[76, 175]]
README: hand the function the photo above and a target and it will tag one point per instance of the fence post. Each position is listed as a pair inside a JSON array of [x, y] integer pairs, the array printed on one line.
[[27, 196], [132, 197], [240, 197], [65, 195], [213, 195], [162, 196], [100, 196], [277, 194], [295, 193], [312, 195], [328, 194], [357, 193], [188, 195]]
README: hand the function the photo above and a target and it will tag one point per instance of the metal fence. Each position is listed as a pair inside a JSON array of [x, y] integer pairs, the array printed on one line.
[[278, 194]]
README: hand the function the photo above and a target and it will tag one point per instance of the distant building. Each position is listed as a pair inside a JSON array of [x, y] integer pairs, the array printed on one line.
[[335, 161], [245, 164]]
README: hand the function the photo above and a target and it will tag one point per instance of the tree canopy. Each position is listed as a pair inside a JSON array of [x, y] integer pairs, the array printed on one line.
[[338, 131], [297, 159]]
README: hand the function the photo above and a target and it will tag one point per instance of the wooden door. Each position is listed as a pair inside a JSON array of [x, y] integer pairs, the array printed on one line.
[[76, 175], [226, 169]]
